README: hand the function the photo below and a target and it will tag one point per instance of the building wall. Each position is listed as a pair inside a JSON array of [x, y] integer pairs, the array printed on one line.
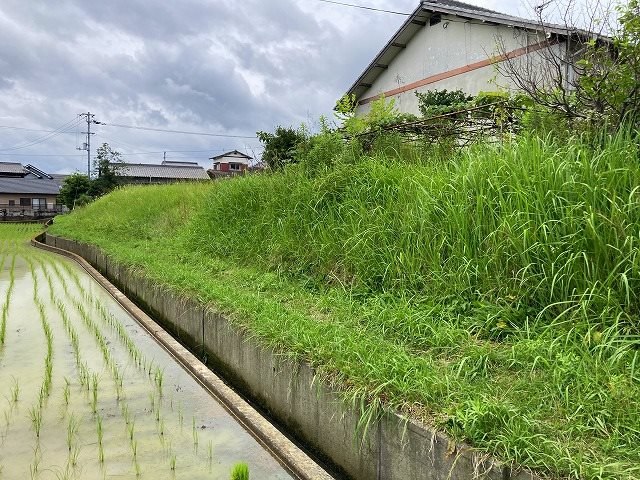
[[226, 167], [232, 159], [5, 199], [443, 47]]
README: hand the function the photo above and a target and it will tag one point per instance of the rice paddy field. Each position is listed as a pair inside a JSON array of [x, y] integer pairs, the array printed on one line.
[[86, 393], [493, 292]]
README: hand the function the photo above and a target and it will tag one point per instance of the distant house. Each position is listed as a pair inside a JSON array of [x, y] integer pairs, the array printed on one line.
[[166, 172], [26, 191], [447, 44], [231, 162]]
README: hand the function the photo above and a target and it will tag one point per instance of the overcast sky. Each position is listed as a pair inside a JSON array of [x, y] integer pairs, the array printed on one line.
[[218, 66]]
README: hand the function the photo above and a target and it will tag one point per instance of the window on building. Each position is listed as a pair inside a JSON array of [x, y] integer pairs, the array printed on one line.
[[40, 203], [12, 203], [25, 202], [235, 166]]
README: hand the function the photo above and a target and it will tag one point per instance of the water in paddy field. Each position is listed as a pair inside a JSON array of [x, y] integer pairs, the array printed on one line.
[[86, 393]]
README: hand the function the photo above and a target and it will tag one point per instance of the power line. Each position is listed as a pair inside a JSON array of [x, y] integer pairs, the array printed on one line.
[[38, 140], [42, 155], [183, 132], [363, 7], [7, 127]]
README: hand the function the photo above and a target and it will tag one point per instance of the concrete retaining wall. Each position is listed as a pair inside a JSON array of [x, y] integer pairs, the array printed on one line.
[[311, 411]]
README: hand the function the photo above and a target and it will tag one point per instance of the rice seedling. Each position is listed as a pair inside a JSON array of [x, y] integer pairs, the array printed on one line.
[[94, 393], [7, 419], [194, 432], [15, 391], [210, 451], [73, 424], [35, 414], [134, 448], [131, 428], [66, 474], [240, 471], [159, 376], [124, 409], [180, 415], [66, 391], [172, 462], [7, 301], [74, 454], [99, 432], [99, 428]]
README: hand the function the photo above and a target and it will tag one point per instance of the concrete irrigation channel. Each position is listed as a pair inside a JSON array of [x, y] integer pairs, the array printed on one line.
[[90, 387]]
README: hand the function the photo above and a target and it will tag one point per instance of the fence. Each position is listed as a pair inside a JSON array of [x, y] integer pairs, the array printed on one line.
[[14, 212]]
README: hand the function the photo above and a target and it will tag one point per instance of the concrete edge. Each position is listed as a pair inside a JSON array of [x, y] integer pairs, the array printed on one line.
[[312, 411], [286, 452]]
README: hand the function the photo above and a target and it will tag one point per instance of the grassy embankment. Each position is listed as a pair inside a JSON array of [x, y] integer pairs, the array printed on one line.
[[494, 294]]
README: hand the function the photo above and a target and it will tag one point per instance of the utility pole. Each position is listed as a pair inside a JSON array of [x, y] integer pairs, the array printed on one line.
[[87, 146]]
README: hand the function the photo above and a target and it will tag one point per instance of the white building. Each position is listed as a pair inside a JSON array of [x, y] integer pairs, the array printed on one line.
[[446, 44]]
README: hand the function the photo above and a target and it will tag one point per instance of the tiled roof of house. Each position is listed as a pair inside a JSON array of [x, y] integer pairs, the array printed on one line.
[[11, 168], [31, 185], [28, 180], [178, 172]]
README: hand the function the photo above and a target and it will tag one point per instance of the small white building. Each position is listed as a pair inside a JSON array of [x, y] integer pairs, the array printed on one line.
[[446, 44]]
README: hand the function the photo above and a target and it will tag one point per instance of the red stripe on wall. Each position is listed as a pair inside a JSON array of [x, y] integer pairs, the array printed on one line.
[[459, 71]]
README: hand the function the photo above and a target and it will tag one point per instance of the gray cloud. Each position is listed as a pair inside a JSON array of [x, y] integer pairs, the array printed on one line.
[[201, 65]]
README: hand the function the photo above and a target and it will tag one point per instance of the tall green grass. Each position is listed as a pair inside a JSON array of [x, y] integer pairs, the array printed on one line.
[[534, 224], [493, 292]]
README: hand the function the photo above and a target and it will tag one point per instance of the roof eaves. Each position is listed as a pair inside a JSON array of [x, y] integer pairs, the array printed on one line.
[[393, 43], [236, 152], [495, 17]]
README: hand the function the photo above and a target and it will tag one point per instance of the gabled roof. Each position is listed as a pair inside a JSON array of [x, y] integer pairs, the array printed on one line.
[[420, 18], [234, 153], [177, 172]]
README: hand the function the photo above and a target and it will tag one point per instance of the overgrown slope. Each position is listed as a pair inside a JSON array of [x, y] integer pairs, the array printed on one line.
[[494, 293]]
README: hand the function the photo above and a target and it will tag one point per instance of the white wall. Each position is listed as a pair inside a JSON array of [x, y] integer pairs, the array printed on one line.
[[436, 49]]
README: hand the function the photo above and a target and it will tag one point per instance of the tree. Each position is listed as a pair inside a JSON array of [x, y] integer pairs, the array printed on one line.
[[610, 74], [280, 147], [581, 73], [107, 164], [78, 190], [74, 188]]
